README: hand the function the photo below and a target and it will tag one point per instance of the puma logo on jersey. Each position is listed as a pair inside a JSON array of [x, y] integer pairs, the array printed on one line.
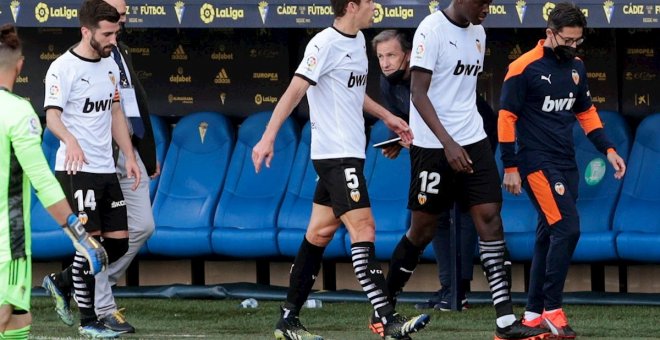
[[560, 104], [85, 80], [357, 80], [547, 78], [97, 106], [467, 69], [348, 56], [453, 43]]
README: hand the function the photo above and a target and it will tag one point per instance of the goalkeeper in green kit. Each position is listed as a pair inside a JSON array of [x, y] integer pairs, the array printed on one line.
[[22, 162]]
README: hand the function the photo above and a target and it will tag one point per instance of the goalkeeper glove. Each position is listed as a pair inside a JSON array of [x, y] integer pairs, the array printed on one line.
[[86, 244]]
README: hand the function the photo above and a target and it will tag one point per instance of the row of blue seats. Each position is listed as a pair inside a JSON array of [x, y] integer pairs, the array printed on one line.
[[209, 201]]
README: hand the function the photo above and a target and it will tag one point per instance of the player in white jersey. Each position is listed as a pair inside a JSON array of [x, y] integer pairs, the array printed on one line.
[[451, 157], [83, 111], [333, 72]]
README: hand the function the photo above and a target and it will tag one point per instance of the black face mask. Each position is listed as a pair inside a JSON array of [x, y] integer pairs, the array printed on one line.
[[565, 53], [397, 76], [122, 30]]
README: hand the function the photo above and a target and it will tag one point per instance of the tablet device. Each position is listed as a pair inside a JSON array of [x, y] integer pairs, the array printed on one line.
[[387, 143]]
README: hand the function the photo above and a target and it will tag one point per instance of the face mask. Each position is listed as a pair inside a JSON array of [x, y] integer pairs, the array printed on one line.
[[396, 76], [122, 30], [565, 53]]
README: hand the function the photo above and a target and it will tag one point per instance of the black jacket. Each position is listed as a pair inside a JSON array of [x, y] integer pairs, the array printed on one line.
[[146, 145]]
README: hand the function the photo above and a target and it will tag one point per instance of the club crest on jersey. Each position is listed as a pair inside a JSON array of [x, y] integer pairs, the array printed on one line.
[[576, 77], [478, 43], [421, 198], [355, 195], [559, 188], [82, 216], [112, 78]]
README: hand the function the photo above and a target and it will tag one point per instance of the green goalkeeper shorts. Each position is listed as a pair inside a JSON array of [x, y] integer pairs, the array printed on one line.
[[16, 283]]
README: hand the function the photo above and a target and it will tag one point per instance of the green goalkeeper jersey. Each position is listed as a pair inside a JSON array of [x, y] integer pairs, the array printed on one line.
[[21, 161]]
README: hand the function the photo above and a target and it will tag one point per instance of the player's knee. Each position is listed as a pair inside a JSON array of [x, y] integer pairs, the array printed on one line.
[[5, 316], [115, 247]]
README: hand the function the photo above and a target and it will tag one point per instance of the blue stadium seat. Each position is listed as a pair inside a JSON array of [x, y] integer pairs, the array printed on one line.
[[637, 215], [49, 242], [162, 139], [193, 175], [296, 209], [388, 181], [599, 190], [245, 223], [519, 219]]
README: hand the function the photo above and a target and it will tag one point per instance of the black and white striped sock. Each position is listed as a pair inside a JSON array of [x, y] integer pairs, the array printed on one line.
[[83, 288], [370, 276], [491, 254]]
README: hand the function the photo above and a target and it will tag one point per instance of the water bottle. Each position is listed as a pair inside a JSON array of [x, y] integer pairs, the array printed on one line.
[[249, 303], [313, 303]]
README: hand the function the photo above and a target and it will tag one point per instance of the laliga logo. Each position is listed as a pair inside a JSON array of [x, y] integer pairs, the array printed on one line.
[[263, 11], [434, 6], [41, 12], [608, 7], [521, 8], [179, 9], [207, 13], [15, 7], [547, 8], [378, 13]]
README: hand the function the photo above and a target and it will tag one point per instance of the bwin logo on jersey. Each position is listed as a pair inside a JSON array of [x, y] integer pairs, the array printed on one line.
[[98, 106], [561, 104], [467, 69], [357, 80]]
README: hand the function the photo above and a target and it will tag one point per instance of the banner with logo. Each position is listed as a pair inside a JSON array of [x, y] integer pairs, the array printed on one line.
[[235, 72], [598, 55], [315, 13], [41, 46], [641, 69]]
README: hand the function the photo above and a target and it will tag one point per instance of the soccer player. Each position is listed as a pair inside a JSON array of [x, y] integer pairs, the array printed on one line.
[[393, 51], [333, 72], [545, 91], [451, 158], [138, 202], [83, 111], [22, 161]]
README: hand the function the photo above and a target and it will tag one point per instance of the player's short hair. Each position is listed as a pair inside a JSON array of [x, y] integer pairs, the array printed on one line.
[[339, 6], [566, 14], [10, 46], [388, 35], [94, 11]]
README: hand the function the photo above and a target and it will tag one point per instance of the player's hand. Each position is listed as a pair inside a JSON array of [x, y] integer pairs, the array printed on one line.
[[618, 164], [400, 127], [458, 158], [133, 171], [392, 151], [74, 158], [157, 171], [86, 244], [512, 182], [262, 151]]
